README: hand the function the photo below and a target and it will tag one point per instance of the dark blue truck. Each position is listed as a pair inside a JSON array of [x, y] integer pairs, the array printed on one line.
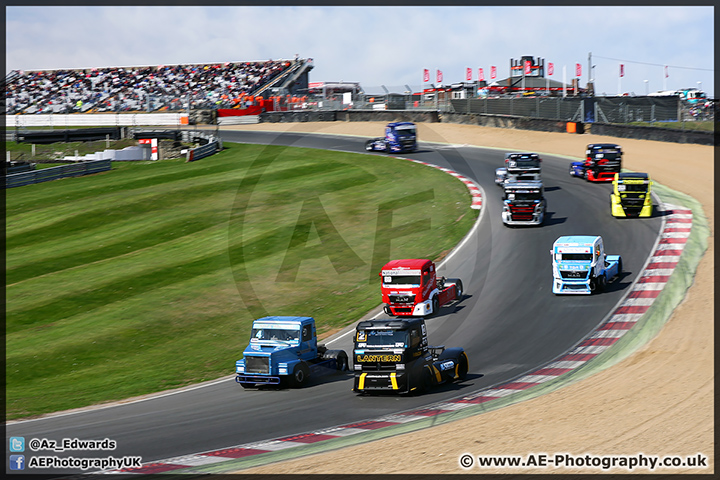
[[400, 137]]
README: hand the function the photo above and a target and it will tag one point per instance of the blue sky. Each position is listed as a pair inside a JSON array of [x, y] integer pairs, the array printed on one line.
[[380, 45]]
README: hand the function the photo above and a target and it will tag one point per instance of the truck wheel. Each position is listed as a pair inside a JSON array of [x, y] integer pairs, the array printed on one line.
[[601, 283], [619, 266], [340, 357], [342, 362], [460, 291], [572, 170], [300, 375], [369, 145], [585, 175], [424, 382], [435, 306], [462, 367]]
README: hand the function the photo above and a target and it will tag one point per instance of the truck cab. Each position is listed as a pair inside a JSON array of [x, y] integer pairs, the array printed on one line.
[[410, 287], [285, 349], [631, 195], [693, 96], [519, 167], [523, 203], [395, 356], [400, 137], [580, 265], [602, 162]]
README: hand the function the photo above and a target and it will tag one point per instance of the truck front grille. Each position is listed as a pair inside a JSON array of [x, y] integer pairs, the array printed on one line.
[[257, 365], [573, 273], [632, 201], [401, 298], [609, 167], [522, 213]]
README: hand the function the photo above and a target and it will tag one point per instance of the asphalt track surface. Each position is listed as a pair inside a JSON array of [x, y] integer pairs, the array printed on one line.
[[509, 322]]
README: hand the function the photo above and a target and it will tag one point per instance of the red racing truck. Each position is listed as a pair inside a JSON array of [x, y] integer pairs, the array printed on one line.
[[602, 162], [410, 287]]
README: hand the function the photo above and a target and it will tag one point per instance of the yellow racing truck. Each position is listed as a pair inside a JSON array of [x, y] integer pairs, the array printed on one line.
[[631, 195]]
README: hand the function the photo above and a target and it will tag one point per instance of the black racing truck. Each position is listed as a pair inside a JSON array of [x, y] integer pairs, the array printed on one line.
[[394, 356]]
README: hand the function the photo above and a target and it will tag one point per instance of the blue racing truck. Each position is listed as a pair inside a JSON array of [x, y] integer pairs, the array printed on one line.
[[400, 137], [580, 265], [284, 350]]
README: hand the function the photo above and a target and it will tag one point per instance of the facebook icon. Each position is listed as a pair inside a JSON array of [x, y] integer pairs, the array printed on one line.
[[17, 462]]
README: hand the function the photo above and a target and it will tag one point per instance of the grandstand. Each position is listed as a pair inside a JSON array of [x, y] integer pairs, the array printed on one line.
[[152, 88]]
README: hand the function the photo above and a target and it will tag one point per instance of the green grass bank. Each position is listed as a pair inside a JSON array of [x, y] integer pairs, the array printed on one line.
[[147, 277]]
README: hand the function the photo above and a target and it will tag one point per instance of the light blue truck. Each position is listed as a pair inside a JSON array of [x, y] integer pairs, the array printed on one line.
[[580, 265], [284, 351]]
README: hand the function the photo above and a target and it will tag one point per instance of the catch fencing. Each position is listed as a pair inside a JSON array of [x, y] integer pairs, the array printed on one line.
[[621, 110]]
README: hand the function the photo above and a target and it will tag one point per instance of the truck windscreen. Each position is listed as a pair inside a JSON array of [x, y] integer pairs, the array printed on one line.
[[561, 257], [382, 338], [523, 196], [633, 187], [277, 334], [402, 280], [404, 132], [607, 155]]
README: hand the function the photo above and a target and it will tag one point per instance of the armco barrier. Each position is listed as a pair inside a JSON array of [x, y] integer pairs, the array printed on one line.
[[93, 120], [350, 116], [298, 116], [659, 134], [54, 173], [505, 121], [70, 135], [212, 144]]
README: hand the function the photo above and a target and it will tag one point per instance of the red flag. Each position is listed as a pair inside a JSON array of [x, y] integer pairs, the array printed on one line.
[[439, 76], [622, 70], [481, 76], [527, 67], [666, 72], [468, 74], [551, 68], [426, 75], [578, 70], [493, 71]]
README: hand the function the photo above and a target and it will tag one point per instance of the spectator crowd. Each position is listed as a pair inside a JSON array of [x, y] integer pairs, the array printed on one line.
[[149, 88]]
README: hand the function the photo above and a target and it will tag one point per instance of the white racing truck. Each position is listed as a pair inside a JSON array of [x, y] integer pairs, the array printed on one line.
[[523, 203], [519, 167]]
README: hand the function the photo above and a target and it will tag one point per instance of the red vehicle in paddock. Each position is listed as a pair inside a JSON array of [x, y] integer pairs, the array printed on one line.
[[410, 287]]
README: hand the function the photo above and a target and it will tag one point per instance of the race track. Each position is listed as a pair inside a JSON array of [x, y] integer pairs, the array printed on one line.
[[509, 323]]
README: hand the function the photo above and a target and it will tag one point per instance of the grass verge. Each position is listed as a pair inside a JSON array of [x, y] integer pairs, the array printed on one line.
[[148, 277]]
